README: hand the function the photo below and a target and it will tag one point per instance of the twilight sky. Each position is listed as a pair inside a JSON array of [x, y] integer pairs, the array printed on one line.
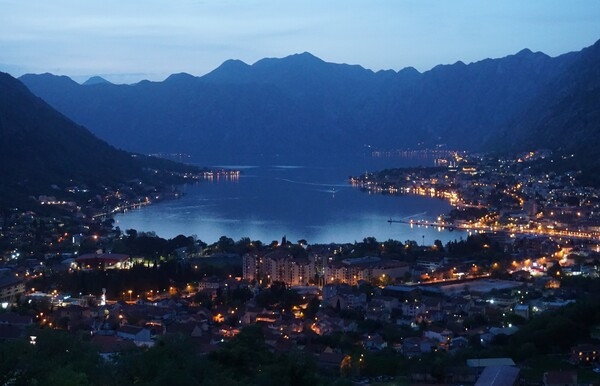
[[129, 40]]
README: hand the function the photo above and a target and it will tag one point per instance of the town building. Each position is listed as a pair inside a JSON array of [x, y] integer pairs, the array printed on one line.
[[368, 268], [10, 288], [278, 265]]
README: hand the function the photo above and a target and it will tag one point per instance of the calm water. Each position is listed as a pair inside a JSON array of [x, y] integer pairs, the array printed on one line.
[[302, 200]]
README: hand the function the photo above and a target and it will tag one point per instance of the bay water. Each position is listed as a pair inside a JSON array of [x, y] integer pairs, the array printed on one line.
[[308, 198]]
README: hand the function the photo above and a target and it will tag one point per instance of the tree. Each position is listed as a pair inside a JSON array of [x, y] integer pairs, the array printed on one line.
[[66, 376], [393, 248], [12, 353], [180, 241], [204, 299], [171, 360], [239, 296], [225, 244], [555, 271], [131, 233], [58, 358], [244, 245], [294, 368], [312, 308]]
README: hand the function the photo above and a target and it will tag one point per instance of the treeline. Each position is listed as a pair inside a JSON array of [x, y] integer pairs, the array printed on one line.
[[62, 359], [161, 267], [151, 246], [476, 245], [141, 279]]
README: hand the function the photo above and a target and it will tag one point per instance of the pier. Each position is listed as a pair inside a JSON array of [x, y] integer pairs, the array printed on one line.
[[425, 223]]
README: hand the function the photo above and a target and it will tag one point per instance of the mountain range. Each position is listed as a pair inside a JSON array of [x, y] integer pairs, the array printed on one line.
[[302, 105], [42, 152]]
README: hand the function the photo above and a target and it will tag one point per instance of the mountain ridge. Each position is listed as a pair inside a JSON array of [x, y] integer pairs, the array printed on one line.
[[302, 104], [565, 118], [42, 151]]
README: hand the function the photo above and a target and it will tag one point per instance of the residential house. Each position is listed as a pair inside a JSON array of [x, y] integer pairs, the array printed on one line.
[[330, 290], [459, 305], [522, 310], [251, 312], [416, 346], [210, 285], [378, 310], [489, 336], [348, 301], [459, 342], [441, 335], [139, 335], [388, 302], [325, 324], [411, 310], [373, 342]]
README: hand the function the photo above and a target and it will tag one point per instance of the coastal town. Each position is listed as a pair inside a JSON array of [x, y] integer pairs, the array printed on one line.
[[491, 194], [371, 312]]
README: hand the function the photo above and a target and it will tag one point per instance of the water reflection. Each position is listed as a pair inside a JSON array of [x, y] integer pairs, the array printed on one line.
[[302, 202]]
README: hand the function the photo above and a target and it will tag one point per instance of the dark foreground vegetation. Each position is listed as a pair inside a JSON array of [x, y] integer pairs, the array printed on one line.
[[61, 358]]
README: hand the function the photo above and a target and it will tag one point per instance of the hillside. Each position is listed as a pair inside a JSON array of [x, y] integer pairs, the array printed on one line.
[[301, 105], [42, 152], [565, 117]]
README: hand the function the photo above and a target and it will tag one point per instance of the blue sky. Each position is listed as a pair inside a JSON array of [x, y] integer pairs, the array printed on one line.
[[129, 40]]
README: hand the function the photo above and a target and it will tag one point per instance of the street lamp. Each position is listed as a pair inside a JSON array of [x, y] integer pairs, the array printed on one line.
[[130, 291]]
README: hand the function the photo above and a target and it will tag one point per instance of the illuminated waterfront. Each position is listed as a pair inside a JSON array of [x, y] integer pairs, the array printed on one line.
[[496, 195]]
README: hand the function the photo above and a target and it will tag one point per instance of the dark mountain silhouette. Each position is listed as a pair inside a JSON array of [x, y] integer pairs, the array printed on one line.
[[42, 151], [566, 114], [95, 80], [565, 117], [302, 105]]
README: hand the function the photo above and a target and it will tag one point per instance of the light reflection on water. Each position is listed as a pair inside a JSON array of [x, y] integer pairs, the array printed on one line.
[[308, 202]]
